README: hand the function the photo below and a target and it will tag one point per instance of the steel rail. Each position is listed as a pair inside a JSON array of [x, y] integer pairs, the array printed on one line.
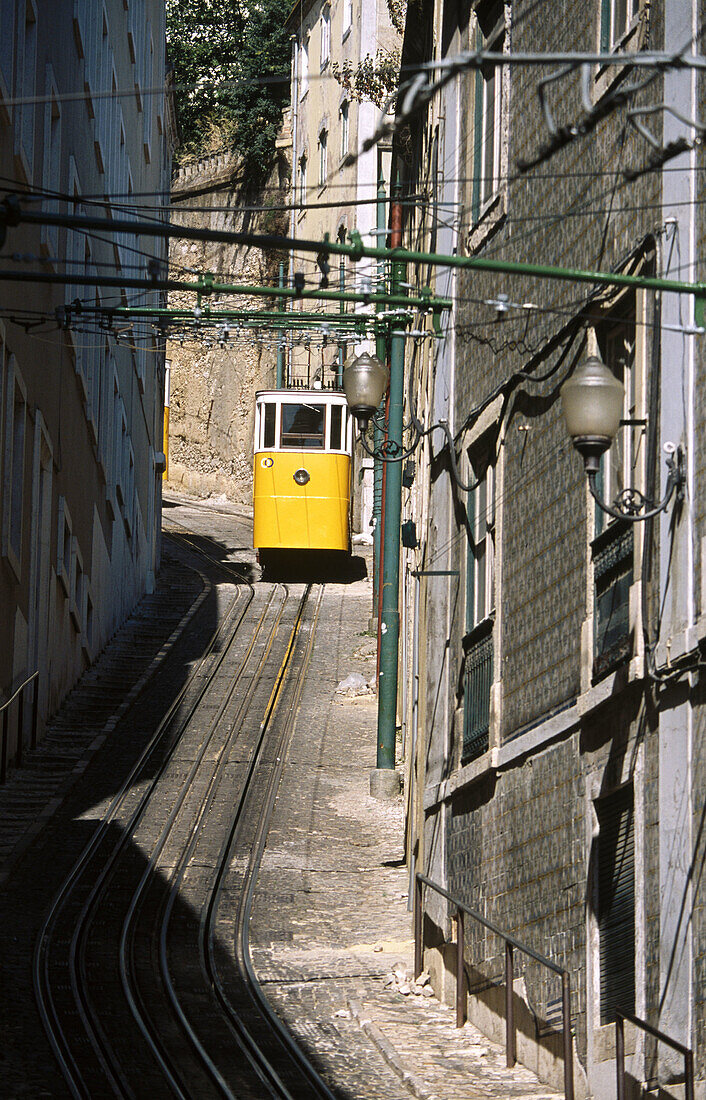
[[128, 977], [49, 1014], [243, 1033], [243, 915], [79, 939], [95, 897]]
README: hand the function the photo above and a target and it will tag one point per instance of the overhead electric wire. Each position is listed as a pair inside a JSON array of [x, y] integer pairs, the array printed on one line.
[[415, 202]]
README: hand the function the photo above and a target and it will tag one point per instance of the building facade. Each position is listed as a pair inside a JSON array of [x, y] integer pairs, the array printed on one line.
[[84, 129], [336, 186], [555, 774]]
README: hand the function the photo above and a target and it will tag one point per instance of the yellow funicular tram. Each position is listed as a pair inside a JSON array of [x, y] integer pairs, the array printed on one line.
[[302, 478]]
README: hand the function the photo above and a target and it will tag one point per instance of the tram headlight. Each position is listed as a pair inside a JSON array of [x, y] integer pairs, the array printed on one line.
[[301, 476]]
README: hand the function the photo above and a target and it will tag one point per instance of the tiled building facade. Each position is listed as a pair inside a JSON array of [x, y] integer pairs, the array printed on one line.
[[556, 784], [83, 129]]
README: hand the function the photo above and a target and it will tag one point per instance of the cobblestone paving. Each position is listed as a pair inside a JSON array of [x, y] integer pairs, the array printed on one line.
[[330, 918]]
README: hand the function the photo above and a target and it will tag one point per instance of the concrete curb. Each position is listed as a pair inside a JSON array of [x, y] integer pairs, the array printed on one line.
[[388, 1052]]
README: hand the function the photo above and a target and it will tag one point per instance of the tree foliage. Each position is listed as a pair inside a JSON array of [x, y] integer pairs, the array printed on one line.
[[203, 42], [373, 80], [231, 66], [263, 88]]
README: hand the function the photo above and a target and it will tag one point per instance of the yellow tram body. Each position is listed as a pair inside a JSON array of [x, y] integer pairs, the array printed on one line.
[[302, 471]]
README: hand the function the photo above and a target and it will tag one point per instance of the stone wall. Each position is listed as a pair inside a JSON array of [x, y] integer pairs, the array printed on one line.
[[213, 386]]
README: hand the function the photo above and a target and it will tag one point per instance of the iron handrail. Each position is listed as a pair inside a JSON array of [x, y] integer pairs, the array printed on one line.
[[18, 690], [5, 724], [511, 943], [686, 1052]]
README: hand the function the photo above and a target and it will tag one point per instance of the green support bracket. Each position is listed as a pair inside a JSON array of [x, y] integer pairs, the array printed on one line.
[[357, 247], [207, 281]]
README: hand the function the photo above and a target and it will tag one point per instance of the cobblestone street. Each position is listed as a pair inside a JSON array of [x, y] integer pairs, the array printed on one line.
[[331, 921], [330, 924]]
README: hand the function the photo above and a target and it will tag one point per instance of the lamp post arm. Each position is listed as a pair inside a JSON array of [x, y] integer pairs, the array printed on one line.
[[629, 504], [386, 451]]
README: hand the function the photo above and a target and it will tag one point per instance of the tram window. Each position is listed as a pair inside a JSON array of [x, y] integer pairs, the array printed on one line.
[[268, 440], [302, 425], [336, 427]]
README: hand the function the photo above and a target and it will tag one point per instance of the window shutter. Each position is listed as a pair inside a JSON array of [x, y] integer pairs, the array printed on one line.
[[616, 903]]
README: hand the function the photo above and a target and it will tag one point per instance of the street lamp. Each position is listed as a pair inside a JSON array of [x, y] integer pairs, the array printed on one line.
[[592, 404], [365, 380]]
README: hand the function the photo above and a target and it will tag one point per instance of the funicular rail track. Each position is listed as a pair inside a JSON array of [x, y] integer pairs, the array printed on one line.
[[142, 974]]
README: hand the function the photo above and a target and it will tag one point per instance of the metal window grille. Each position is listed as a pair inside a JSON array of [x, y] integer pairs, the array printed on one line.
[[616, 903], [613, 577], [477, 680]]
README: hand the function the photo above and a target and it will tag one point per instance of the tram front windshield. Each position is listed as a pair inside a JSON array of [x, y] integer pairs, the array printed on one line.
[[303, 426]]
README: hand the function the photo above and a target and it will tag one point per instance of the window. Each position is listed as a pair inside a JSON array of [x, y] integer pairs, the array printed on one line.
[[615, 902], [268, 433], [347, 16], [14, 466], [302, 426], [488, 108], [105, 408], [82, 23], [304, 65], [130, 502], [51, 170], [7, 48], [325, 36], [95, 369], [336, 428], [301, 182], [63, 547], [112, 423], [617, 18], [323, 157], [148, 81], [120, 445], [25, 85], [83, 362], [73, 246], [345, 131], [480, 601], [480, 595], [77, 589], [98, 64], [87, 640]]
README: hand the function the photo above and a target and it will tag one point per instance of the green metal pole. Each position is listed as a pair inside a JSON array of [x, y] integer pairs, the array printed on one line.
[[206, 286], [357, 251], [383, 785], [381, 352], [342, 309], [280, 346]]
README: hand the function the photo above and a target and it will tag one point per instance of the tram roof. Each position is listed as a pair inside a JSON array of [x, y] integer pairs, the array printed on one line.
[[301, 395]]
